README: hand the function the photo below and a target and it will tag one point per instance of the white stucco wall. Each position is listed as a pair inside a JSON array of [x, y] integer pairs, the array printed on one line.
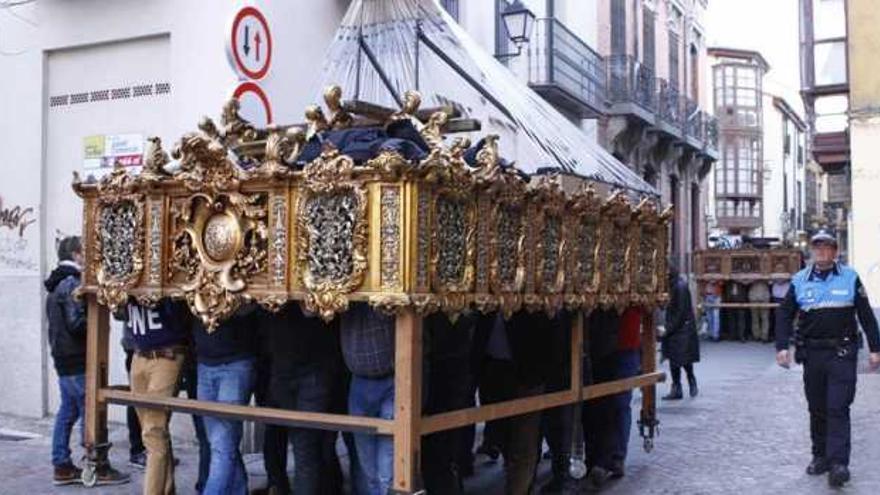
[[57, 40]]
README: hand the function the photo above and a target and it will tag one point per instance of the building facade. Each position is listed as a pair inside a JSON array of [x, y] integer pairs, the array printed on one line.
[[738, 179], [863, 43], [658, 120], [825, 88]]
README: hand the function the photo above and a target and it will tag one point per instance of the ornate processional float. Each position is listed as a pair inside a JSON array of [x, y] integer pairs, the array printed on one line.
[[239, 218], [238, 215]]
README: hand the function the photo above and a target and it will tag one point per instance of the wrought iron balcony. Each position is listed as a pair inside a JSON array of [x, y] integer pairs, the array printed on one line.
[[669, 105], [693, 120], [631, 82], [565, 70], [711, 124]]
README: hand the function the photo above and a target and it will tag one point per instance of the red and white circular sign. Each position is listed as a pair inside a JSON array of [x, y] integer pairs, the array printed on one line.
[[255, 106], [250, 43]]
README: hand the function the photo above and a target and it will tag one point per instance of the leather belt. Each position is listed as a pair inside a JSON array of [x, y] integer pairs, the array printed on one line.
[[163, 353]]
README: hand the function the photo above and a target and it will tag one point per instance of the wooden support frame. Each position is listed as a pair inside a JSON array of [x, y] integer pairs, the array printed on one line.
[[97, 347], [408, 425]]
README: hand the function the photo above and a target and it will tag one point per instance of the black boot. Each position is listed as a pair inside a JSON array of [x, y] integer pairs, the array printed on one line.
[[692, 385], [559, 482], [817, 466], [838, 475], [675, 393]]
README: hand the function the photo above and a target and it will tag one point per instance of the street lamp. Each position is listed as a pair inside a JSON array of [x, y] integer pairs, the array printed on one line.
[[518, 21]]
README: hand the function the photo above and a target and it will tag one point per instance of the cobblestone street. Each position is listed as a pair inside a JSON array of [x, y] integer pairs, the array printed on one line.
[[746, 434]]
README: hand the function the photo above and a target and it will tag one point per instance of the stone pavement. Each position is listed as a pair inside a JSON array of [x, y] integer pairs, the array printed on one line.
[[746, 434]]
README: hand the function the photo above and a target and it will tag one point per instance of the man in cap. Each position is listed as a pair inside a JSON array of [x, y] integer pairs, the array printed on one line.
[[828, 296]]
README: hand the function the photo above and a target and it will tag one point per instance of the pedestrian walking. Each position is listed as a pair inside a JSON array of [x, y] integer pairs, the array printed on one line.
[[681, 344], [736, 317], [712, 296], [826, 297], [67, 340]]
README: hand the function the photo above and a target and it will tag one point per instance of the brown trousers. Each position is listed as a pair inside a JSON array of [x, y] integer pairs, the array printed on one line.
[[157, 377]]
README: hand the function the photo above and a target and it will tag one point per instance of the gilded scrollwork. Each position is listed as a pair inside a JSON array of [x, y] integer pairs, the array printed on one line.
[[332, 233], [390, 271], [119, 253], [453, 230], [617, 217], [220, 245], [582, 286]]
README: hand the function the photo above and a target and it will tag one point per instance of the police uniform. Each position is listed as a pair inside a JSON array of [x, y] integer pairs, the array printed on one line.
[[827, 343]]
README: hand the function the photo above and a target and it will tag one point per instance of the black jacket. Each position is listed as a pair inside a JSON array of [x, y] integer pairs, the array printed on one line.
[[529, 337], [681, 344], [233, 340], [67, 321]]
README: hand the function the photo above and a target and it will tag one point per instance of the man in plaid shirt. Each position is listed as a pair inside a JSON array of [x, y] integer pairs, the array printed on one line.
[[367, 338]]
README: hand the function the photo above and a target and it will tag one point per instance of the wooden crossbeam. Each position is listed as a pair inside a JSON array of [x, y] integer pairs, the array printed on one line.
[[284, 417], [464, 417]]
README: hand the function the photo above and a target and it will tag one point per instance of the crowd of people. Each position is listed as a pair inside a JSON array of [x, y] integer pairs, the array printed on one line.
[[754, 320], [293, 360]]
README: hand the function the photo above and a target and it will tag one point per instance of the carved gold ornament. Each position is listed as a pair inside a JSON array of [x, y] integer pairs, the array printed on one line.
[[617, 221], [332, 232]]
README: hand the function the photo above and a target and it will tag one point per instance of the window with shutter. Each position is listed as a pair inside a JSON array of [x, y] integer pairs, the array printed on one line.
[[618, 27], [451, 6], [648, 53], [673, 60]]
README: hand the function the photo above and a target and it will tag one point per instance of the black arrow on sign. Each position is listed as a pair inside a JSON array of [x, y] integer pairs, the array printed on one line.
[[247, 35]]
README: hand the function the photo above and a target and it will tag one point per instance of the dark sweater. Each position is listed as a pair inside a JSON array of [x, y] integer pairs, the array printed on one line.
[[233, 340], [290, 338], [157, 328]]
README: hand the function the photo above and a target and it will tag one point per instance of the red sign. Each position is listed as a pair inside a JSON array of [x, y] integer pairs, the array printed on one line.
[[253, 101], [250, 43]]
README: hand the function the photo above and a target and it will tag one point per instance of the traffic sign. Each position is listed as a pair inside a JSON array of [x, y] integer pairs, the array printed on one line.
[[254, 104], [250, 43]]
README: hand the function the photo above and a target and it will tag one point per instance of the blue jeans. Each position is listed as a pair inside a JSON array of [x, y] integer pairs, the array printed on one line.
[[229, 383], [713, 316], [71, 410], [628, 365], [373, 398]]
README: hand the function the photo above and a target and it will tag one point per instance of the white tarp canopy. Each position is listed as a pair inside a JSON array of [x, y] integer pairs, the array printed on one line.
[[533, 133]]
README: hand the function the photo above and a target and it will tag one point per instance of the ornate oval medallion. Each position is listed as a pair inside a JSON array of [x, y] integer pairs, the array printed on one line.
[[221, 237]]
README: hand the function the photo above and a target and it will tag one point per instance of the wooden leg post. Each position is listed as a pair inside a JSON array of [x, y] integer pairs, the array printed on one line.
[[648, 419], [407, 401], [95, 420]]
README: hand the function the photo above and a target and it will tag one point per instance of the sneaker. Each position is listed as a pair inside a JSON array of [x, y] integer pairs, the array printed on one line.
[[110, 476], [67, 474], [138, 461]]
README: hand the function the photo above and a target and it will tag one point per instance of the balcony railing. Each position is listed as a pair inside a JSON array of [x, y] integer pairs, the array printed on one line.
[[669, 104], [693, 120], [629, 81], [565, 70], [711, 124]]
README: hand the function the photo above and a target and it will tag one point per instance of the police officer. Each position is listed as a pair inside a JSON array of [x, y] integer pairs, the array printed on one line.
[[828, 296]]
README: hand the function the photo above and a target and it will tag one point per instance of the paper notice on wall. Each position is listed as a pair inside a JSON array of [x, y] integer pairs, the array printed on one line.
[[102, 152]]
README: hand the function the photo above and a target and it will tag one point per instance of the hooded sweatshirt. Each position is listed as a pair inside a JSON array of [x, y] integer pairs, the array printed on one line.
[[67, 320]]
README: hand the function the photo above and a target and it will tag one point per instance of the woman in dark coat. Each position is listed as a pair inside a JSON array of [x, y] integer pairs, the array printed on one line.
[[681, 344]]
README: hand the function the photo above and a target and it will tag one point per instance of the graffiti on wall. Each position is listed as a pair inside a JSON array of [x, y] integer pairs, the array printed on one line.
[[15, 255]]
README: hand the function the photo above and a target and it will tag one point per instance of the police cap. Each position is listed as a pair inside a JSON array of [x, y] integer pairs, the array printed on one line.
[[823, 237]]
